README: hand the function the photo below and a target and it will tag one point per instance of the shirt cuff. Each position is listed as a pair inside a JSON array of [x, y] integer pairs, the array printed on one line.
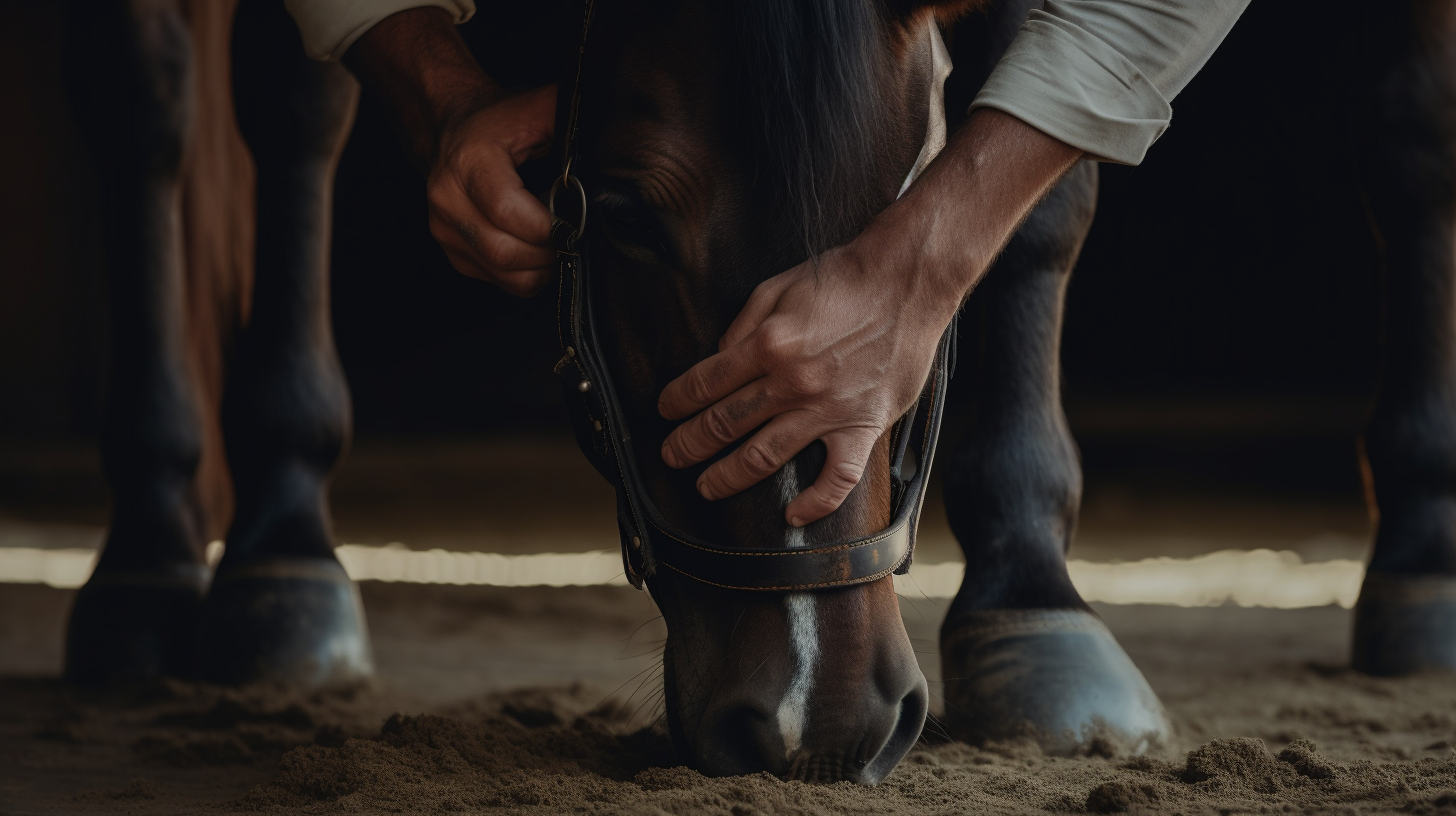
[[1073, 86], [329, 27]]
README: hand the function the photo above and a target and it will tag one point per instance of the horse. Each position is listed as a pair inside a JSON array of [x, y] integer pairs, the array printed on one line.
[[720, 144]]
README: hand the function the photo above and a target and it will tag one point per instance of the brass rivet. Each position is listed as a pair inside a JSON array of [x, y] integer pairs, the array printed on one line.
[[597, 425], [636, 542], [570, 352], [583, 386]]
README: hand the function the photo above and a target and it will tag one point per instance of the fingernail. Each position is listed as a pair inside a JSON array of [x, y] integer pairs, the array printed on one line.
[[796, 522], [667, 454], [704, 490]]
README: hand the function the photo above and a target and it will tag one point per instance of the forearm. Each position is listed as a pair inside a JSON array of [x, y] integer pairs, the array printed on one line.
[[418, 64], [945, 232]]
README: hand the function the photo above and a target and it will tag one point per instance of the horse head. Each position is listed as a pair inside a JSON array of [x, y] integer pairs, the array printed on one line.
[[720, 144]]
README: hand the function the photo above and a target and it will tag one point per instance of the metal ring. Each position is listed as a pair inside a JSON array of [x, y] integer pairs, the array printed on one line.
[[566, 179]]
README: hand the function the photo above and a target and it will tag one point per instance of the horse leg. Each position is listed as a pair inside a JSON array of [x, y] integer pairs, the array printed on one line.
[[1022, 654], [130, 78], [281, 608], [1405, 619]]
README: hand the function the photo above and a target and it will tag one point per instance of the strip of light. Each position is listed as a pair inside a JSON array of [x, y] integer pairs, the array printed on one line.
[[1242, 577]]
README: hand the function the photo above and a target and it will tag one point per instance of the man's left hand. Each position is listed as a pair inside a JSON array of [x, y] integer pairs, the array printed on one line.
[[837, 353]]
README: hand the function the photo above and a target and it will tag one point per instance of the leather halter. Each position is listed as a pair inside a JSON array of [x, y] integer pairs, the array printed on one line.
[[649, 542]]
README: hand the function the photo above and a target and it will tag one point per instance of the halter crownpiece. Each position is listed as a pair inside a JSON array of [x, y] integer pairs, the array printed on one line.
[[649, 542]]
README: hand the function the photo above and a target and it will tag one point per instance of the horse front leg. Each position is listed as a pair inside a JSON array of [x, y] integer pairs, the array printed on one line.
[[1022, 654], [130, 78], [281, 608], [1405, 620]]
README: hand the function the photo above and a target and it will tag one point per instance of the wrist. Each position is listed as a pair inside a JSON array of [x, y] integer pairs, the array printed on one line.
[[912, 247], [944, 234], [418, 64]]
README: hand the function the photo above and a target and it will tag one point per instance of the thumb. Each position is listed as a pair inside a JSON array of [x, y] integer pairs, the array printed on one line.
[[849, 451]]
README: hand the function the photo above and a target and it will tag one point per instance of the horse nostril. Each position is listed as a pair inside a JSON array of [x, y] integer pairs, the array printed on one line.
[[740, 740], [908, 725]]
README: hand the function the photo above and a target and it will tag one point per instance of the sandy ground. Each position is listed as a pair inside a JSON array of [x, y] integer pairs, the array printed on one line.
[[547, 700], [544, 701]]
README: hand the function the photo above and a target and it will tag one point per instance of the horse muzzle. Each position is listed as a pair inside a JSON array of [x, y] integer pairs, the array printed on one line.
[[843, 704]]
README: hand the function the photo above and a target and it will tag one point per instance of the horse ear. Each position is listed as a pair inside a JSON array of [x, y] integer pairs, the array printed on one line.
[[945, 11]]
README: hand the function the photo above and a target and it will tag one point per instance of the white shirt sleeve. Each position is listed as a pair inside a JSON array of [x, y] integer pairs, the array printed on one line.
[[329, 27], [1099, 74]]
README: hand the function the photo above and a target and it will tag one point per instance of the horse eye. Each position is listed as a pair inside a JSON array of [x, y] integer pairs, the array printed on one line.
[[628, 220]]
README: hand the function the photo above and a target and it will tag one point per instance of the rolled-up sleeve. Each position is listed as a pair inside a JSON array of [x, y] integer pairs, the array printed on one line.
[[1100, 74], [329, 27]]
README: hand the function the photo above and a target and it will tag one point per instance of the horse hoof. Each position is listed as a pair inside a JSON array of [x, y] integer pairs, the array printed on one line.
[[1055, 676], [135, 627], [290, 622], [1405, 624]]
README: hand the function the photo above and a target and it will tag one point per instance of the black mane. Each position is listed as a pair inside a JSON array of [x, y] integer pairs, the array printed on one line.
[[812, 72]]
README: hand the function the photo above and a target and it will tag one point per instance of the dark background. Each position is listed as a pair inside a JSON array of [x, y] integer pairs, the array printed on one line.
[[1221, 327]]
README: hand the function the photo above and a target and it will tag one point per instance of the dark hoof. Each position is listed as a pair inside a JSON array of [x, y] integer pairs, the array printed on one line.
[[1055, 676], [290, 622], [136, 627], [1405, 624]]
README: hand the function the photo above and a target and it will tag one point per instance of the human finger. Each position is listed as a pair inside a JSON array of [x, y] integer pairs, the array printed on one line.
[[759, 458], [507, 204], [466, 257], [709, 381], [719, 425], [493, 249], [848, 451]]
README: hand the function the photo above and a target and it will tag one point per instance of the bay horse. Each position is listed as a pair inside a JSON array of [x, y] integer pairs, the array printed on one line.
[[721, 144]]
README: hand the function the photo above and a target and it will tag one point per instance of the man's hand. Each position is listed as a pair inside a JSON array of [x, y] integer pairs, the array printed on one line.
[[469, 136], [836, 353], [841, 352], [488, 224]]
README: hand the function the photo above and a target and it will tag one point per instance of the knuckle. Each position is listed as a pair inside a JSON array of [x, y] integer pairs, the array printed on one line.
[[495, 251], [802, 381], [697, 386], [439, 189], [774, 342], [439, 229], [758, 459], [717, 426], [497, 209], [842, 478]]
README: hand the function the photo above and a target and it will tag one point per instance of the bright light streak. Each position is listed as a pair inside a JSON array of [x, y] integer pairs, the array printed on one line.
[[1242, 577]]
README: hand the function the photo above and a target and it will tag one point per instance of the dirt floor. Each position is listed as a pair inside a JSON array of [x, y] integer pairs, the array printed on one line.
[[493, 700], [545, 701]]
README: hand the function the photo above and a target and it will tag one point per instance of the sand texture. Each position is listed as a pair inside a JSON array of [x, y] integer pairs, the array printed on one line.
[[545, 701]]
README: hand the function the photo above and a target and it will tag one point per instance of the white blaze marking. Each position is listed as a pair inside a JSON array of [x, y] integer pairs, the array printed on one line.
[[803, 634]]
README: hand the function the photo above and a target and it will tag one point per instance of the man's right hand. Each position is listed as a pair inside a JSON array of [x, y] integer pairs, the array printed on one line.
[[488, 224], [469, 135]]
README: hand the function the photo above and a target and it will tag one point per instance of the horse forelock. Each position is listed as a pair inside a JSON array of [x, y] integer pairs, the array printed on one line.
[[813, 75]]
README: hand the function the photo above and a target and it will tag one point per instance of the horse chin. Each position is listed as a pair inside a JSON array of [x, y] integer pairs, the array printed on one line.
[[760, 682]]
